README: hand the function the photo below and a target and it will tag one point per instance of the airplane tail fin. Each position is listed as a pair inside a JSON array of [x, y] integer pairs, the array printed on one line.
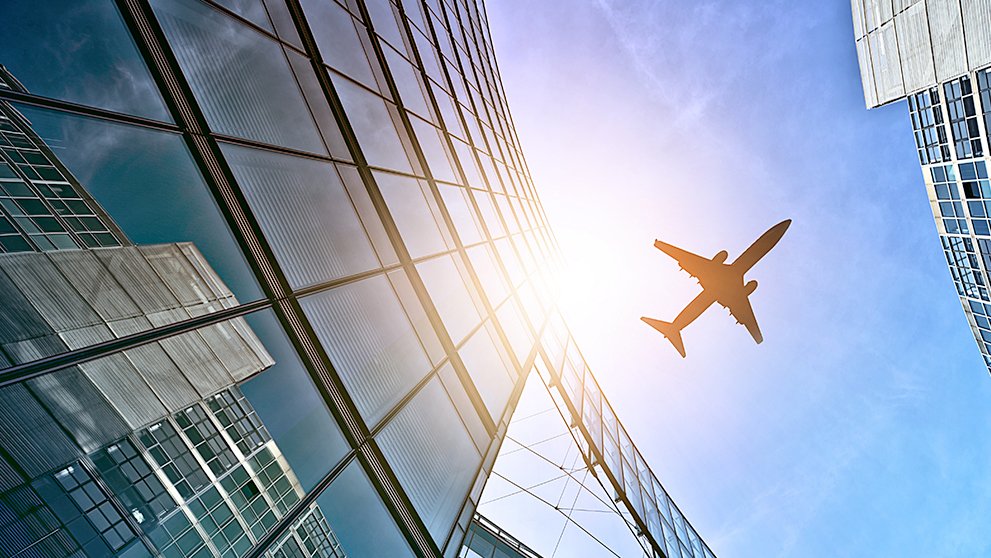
[[670, 331]]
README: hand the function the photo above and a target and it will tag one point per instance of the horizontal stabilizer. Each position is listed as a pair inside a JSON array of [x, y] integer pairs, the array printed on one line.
[[670, 331]]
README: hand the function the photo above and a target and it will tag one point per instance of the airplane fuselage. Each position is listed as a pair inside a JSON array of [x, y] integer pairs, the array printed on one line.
[[721, 282]]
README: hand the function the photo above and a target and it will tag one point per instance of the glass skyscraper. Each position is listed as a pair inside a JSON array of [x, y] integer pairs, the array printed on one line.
[[936, 54], [273, 274]]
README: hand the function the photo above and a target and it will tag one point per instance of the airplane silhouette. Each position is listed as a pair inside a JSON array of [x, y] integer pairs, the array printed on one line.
[[721, 282]]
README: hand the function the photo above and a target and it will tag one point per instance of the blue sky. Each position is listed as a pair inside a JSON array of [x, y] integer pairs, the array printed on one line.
[[860, 427]]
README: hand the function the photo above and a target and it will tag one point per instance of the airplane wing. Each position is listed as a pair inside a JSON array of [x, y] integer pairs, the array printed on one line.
[[694, 264], [761, 246], [739, 306]]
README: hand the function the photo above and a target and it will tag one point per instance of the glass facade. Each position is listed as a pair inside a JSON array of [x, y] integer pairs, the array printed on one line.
[[486, 540], [273, 274], [959, 189], [949, 103]]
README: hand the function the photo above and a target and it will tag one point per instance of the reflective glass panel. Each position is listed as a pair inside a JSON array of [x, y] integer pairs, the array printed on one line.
[[408, 203], [305, 213], [337, 37], [44, 50], [462, 213], [359, 519], [165, 253], [240, 77], [489, 370], [220, 425], [372, 122], [370, 342], [433, 457], [451, 295]]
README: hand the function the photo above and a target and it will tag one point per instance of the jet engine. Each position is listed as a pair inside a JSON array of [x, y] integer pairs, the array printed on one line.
[[721, 256], [750, 287]]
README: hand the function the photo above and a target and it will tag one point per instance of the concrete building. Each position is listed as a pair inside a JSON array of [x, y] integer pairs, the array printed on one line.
[[936, 55]]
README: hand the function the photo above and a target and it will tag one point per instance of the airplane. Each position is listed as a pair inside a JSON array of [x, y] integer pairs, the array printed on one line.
[[721, 282]]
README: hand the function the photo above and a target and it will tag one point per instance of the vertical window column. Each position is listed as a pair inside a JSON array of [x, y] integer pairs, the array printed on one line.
[[963, 118]]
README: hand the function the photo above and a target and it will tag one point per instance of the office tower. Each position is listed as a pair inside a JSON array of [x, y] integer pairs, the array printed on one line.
[[274, 275], [936, 54]]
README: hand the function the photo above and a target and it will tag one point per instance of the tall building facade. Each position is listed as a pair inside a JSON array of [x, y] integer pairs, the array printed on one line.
[[273, 276], [936, 54]]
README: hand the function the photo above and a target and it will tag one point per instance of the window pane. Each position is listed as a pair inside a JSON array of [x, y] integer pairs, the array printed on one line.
[[240, 78], [459, 207], [290, 407], [338, 40], [433, 150], [373, 124], [511, 320], [305, 213], [358, 517], [222, 421], [410, 209], [370, 342], [433, 457], [407, 81], [489, 274], [42, 48], [449, 292], [488, 370], [165, 253]]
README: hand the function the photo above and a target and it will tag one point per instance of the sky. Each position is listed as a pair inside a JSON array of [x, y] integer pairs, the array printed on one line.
[[860, 427]]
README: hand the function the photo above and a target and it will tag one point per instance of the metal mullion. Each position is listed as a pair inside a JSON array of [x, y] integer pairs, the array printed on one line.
[[449, 222], [84, 110], [497, 440], [455, 359], [33, 369], [472, 143], [383, 478], [385, 482], [413, 275], [282, 150], [282, 526], [398, 407]]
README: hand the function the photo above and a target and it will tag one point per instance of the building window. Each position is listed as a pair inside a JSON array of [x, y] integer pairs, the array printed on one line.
[[239, 420], [311, 536], [273, 477], [982, 312], [246, 496], [950, 205], [174, 458], [206, 439], [134, 482], [964, 267], [214, 514], [39, 197], [95, 505], [960, 106], [927, 122], [984, 88]]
